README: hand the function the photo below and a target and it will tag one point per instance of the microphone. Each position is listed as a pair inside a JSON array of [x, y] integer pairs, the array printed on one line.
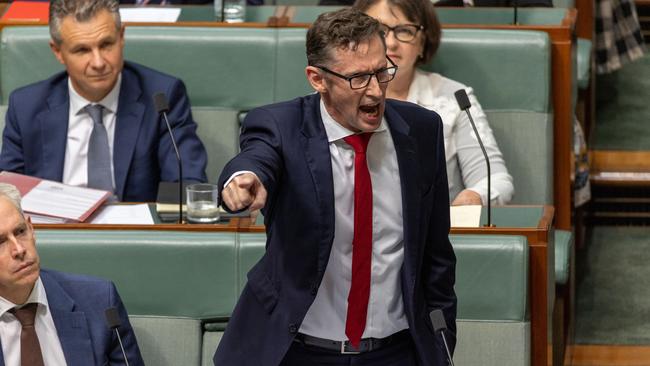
[[162, 107], [464, 104], [439, 326], [113, 321]]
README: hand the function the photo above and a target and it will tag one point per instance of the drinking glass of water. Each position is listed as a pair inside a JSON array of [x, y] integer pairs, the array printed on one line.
[[234, 11], [202, 203]]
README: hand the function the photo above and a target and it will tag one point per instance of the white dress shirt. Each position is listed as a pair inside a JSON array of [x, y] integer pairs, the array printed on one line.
[[80, 126], [327, 315], [48, 338], [466, 167]]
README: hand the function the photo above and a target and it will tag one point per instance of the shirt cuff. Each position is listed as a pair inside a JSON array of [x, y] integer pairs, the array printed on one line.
[[237, 173]]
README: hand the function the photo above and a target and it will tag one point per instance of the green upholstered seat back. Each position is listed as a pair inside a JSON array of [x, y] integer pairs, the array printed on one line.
[[161, 273], [25, 58], [226, 67], [170, 282], [291, 81], [491, 277], [510, 72], [218, 129], [492, 289], [487, 15]]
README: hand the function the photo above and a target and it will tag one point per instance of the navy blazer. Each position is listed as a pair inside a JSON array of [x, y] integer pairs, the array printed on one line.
[[77, 304], [286, 146], [35, 134]]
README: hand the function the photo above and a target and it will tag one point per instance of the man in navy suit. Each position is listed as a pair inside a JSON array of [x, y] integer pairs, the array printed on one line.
[[354, 194], [95, 125], [67, 311]]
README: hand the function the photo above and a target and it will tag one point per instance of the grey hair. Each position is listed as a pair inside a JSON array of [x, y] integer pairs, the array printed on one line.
[[10, 192], [82, 11]]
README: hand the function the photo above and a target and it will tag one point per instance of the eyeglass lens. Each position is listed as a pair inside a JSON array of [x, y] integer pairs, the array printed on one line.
[[404, 33]]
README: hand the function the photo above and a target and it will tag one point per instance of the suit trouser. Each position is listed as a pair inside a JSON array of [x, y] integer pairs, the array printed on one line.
[[396, 354]]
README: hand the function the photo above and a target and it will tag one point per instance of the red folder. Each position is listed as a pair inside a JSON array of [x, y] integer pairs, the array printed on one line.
[[27, 11]]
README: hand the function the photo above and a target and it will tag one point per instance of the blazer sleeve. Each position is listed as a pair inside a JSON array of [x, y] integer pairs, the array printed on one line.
[[439, 262], [126, 333], [261, 152], [12, 157], [189, 145]]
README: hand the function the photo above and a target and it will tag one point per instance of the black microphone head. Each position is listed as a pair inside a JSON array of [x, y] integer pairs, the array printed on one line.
[[160, 102], [112, 318], [436, 316], [462, 99]]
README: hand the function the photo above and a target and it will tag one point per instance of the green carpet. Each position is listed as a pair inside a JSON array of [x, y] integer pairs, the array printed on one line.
[[613, 287], [623, 108]]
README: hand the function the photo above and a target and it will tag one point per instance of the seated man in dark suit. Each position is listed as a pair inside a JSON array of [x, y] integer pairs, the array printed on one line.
[[52, 315], [95, 125]]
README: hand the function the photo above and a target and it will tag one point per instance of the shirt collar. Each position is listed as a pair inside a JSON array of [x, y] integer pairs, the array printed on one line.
[[37, 295], [78, 103], [335, 131]]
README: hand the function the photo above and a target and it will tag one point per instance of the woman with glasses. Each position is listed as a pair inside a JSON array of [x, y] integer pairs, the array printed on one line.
[[412, 37]]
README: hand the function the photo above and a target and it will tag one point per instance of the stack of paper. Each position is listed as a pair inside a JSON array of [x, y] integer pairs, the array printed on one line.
[[50, 202]]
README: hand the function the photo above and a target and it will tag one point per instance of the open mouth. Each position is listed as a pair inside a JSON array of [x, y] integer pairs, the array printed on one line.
[[370, 110]]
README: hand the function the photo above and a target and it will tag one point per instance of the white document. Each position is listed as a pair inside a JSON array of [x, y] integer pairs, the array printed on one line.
[[41, 219], [150, 15], [124, 214], [465, 216], [60, 200]]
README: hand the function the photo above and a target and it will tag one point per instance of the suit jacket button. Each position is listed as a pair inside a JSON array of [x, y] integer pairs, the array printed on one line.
[[293, 329]]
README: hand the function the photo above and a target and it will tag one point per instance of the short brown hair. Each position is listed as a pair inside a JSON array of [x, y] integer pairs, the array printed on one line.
[[81, 11], [344, 28], [420, 12]]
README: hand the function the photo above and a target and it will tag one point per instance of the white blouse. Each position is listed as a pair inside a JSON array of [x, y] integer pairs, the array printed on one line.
[[466, 167]]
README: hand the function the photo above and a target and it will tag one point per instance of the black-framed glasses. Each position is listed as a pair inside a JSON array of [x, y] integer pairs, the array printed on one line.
[[360, 81], [402, 32]]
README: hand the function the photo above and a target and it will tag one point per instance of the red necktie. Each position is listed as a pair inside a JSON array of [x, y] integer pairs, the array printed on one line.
[[361, 243]]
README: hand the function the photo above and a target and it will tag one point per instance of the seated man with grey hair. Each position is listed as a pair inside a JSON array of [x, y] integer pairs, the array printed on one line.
[[49, 317], [95, 124]]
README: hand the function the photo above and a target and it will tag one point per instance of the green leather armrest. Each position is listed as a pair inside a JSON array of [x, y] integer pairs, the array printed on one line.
[[563, 250], [583, 52]]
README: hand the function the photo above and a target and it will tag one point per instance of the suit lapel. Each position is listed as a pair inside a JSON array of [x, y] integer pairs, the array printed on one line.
[[54, 131], [2, 356], [71, 325], [314, 144], [408, 172], [130, 111]]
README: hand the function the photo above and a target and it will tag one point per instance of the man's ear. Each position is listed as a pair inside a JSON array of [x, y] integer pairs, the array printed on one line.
[[56, 50], [316, 79]]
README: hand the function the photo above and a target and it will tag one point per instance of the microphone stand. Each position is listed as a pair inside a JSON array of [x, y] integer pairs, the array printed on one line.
[[180, 171], [464, 104], [489, 175]]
